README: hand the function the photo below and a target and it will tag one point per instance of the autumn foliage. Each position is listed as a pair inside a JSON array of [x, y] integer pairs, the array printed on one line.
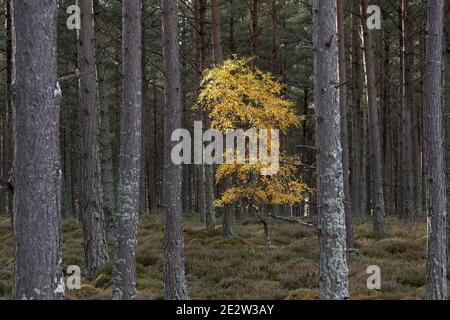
[[237, 96]]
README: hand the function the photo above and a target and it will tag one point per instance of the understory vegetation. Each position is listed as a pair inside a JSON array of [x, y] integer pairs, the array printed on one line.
[[244, 268]]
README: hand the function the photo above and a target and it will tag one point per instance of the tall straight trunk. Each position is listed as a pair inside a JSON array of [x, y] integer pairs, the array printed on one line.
[[186, 189], [274, 29], [357, 127], [124, 275], [254, 30], [200, 44], [400, 159], [408, 105], [423, 50], [379, 226], [447, 113], [231, 28], [37, 169], [145, 121], [153, 154], [416, 151], [388, 172], [210, 214], [107, 174], [216, 36], [330, 184], [174, 275], [436, 287], [7, 126], [344, 133], [95, 245]]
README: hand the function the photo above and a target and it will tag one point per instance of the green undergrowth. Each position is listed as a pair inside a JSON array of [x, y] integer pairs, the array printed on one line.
[[245, 268]]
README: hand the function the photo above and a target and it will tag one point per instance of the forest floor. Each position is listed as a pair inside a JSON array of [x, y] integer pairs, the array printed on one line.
[[245, 268]]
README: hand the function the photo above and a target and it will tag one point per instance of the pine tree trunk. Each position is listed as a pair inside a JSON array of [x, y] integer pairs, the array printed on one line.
[[200, 43], [174, 275], [7, 126], [152, 163], [216, 36], [128, 190], [357, 127], [274, 29], [387, 127], [416, 151], [95, 244], [400, 159], [379, 226], [447, 112], [344, 133], [106, 157], [408, 100], [436, 287], [231, 28], [330, 183], [37, 167], [254, 17]]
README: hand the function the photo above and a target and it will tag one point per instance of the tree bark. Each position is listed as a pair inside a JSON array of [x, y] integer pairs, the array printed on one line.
[[408, 105], [216, 36], [379, 227], [106, 156], [447, 112], [231, 28], [152, 163], [436, 287], [330, 184], [95, 244], [200, 44], [124, 276], [274, 27], [344, 133], [254, 18], [174, 275], [357, 125], [37, 167], [7, 126]]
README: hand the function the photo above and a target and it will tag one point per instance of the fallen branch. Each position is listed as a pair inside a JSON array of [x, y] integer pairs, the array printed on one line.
[[304, 223]]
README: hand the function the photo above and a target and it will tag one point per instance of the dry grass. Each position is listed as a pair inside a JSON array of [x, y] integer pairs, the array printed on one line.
[[245, 268]]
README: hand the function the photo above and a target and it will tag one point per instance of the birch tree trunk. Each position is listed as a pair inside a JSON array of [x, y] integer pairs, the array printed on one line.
[[174, 275], [95, 244], [37, 168], [128, 190], [333, 263], [379, 226], [436, 287]]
